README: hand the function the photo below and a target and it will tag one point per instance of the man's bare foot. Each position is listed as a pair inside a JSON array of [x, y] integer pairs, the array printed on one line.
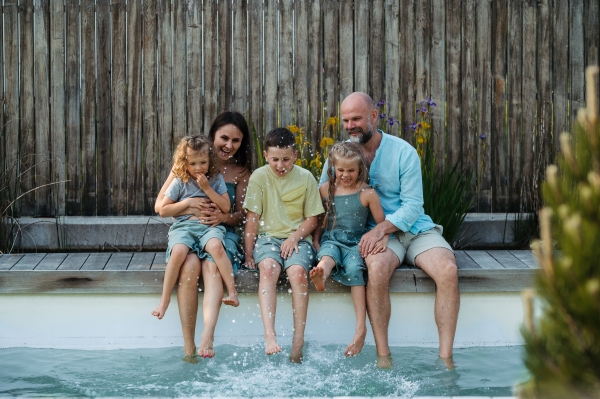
[[206, 349], [232, 300], [448, 362], [271, 346], [384, 362], [160, 310], [356, 345], [317, 275], [296, 354]]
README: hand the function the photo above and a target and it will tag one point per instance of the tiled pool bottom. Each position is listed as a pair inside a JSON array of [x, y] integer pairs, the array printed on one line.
[[247, 372]]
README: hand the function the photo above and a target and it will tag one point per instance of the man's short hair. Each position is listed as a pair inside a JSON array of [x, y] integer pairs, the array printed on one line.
[[280, 137]]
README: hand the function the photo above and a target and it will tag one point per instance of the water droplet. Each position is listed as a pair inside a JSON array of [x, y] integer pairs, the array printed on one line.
[[289, 290]]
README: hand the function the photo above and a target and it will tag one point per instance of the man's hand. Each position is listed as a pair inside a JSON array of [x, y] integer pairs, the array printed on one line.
[[287, 247], [369, 241]]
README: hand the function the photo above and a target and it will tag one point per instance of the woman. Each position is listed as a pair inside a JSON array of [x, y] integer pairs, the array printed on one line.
[[231, 139]]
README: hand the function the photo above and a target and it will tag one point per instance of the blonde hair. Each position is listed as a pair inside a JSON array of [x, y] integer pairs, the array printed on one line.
[[193, 145], [345, 150]]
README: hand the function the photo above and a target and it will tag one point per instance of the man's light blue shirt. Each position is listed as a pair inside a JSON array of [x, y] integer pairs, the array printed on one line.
[[396, 176]]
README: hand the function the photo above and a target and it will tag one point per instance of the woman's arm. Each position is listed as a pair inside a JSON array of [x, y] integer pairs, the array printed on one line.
[[190, 206], [215, 216]]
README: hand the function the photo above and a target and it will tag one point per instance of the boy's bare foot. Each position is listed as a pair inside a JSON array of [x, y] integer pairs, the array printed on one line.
[[271, 346], [317, 277], [296, 354], [384, 362], [160, 310], [232, 300], [356, 345], [206, 349]]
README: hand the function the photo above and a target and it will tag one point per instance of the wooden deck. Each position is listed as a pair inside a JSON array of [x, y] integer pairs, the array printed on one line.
[[142, 272]]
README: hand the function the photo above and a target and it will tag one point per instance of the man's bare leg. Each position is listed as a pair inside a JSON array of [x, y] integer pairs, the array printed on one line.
[[187, 300], [267, 291], [211, 305], [360, 308], [440, 265], [380, 268], [299, 282], [319, 274]]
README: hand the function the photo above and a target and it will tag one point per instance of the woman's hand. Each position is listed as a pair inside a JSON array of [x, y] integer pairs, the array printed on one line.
[[198, 206], [213, 216]]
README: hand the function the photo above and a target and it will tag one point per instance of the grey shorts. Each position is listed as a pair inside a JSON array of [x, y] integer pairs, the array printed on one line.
[[269, 247], [407, 245], [195, 236]]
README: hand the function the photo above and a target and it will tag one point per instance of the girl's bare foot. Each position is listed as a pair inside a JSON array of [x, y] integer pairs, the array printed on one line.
[[296, 354], [384, 362], [317, 275], [232, 300], [271, 345], [356, 345], [206, 349], [160, 310]]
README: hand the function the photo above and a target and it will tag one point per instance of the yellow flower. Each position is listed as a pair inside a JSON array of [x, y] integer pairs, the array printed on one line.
[[306, 143], [425, 125], [420, 152], [293, 128], [326, 141], [298, 140], [298, 162], [420, 140], [333, 121]]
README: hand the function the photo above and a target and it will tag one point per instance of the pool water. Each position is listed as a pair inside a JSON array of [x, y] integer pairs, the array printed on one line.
[[248, 372]]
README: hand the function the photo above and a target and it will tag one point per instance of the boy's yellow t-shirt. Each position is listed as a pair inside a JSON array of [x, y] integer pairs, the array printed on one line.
[[283, 203]]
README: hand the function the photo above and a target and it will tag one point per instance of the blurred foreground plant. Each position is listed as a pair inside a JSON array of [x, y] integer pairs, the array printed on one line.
[[563, 346]]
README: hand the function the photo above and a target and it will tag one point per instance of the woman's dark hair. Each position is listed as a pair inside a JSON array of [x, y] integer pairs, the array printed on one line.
[[243, 156]]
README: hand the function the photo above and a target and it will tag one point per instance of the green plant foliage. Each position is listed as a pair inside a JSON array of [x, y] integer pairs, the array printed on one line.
[[563, 345], [446, 197]]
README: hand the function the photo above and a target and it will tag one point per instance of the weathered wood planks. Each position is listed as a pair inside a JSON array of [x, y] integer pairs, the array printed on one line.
[[94, 88]]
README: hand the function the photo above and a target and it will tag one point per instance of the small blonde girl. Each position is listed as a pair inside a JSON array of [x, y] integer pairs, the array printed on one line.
[[348, 201], [195, 165]]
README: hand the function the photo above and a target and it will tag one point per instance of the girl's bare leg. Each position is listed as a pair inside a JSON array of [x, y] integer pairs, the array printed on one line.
[[267, 288], [187, 299], [216, 249], [360, 308], [211, 305], [321, 272], [178, 255]]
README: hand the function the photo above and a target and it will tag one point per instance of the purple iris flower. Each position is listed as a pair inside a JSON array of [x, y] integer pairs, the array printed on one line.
[[482, 136], [381, 103], [381, 116]]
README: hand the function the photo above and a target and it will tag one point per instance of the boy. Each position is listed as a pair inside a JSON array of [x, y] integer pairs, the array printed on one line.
[[283, 205]]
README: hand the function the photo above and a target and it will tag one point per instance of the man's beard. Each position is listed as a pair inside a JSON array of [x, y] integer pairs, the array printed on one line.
[[363, 137]]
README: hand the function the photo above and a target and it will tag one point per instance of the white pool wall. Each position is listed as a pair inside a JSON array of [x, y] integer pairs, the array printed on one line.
[[115, 321]]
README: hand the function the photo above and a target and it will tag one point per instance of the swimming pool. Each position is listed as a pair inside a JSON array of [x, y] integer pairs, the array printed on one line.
[[245, 371]]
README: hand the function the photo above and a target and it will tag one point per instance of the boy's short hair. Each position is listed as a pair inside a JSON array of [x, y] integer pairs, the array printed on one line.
[[280, 137]]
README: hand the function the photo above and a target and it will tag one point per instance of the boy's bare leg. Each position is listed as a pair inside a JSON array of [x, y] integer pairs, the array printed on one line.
[[211, 305], [360, 308], [267, 291], [440, 265], [215, 248], [321, 272], [178, 255], [187, 300], [299, 282]]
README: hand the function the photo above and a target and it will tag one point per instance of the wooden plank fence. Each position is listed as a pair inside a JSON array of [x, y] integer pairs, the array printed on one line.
[[96, 93]]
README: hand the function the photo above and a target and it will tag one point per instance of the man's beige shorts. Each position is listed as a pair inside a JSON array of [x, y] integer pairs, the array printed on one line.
[[407, 246]]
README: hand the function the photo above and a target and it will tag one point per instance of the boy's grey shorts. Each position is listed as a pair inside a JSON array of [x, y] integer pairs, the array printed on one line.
[[407, 246], [269, 247], [195, 235]]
